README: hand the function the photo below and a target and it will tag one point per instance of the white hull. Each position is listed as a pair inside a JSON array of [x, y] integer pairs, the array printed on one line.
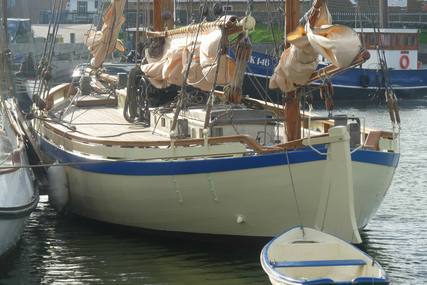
[[17, 199], [17, 193], [250, 202]]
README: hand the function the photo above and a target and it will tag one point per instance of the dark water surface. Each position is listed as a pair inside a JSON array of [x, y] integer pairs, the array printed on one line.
[[71, 250]]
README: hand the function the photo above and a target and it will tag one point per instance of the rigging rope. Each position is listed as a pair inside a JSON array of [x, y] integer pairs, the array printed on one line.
[[182, 96]]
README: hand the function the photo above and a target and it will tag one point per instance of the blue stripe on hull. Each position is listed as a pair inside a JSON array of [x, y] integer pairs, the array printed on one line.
[[206, 165]]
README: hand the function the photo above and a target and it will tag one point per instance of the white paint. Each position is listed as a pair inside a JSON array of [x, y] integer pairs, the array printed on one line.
[[393, 58], [398, 3], [16, 189], [264, 196], [335, 214], [58, 187]]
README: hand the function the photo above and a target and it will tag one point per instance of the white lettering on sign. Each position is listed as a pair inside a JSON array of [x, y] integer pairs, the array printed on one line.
[[259, 61]]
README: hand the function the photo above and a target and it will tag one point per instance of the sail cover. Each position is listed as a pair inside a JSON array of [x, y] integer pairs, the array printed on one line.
[[337, 43], [102, 43], [169, 67]]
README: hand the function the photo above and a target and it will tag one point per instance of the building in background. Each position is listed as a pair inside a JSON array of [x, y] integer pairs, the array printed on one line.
[[29, 9]]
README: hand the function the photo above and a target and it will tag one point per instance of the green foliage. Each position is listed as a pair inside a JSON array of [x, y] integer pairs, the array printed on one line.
[[263, 34], [423, 37]]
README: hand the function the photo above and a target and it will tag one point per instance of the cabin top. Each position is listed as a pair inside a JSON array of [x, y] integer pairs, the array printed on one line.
[[387, 31], [390, 39]]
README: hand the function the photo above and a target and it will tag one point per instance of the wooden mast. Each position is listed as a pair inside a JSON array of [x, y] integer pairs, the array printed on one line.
[[160, 6], [137, 27], [4, 20], [291, 100]]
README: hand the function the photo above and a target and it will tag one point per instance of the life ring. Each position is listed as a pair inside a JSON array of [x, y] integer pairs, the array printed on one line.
[[404, 61]]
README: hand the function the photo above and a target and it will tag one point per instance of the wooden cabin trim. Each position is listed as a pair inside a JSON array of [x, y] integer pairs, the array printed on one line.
[[248, 141], [60, 91], [373, 139]]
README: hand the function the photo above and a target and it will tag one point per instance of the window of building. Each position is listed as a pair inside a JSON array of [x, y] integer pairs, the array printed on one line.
[[227, 8], [217, 132], [410, 41], [82, 7], [96, 4], [11, 3]]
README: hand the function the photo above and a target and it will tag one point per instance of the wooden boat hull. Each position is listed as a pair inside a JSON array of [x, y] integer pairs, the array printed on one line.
[[220, 196]]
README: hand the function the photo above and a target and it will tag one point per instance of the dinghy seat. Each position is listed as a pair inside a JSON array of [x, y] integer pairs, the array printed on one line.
[[320, 263]]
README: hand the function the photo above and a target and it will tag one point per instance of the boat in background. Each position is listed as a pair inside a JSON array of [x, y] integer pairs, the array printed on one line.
[[28, 50], [18, 196], [307, 256], [406, 75]]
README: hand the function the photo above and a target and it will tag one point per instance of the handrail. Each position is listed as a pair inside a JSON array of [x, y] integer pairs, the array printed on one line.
[[244, 139]]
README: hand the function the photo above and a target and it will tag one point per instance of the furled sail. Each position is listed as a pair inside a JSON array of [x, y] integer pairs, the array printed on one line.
[[337, 43], [168, 67], [104, 42]]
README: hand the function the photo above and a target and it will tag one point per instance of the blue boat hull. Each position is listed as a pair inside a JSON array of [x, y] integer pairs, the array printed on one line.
[[353, 84]]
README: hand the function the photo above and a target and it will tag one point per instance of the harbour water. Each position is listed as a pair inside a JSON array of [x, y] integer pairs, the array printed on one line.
[[71, 250]]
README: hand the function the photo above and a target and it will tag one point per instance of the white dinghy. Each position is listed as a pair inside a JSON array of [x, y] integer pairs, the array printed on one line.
[[308, 256]]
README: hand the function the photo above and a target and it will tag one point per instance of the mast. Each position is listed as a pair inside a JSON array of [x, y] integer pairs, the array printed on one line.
[[160, 8], [137, 27], [292, 108], [4, 20]]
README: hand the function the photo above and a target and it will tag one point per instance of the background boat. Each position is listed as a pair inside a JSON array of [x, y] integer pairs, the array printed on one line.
[[406, 75], [18, 195]]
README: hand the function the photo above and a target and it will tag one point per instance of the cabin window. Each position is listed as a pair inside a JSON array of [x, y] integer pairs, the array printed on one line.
[[395, 41], [227, 8], [372, 40], [410, 41], [386, 40], [163, 122], [193, 133], [217, 132]]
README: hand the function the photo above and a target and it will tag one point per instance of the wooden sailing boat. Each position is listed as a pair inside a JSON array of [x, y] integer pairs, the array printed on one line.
[[18, 196], [207, 161]]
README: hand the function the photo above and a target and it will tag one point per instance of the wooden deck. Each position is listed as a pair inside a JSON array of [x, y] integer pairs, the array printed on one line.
[[106, 123]]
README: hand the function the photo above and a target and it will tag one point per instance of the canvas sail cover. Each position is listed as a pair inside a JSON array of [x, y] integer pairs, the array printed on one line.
[[337, 43], [104, 42], [169, 67]]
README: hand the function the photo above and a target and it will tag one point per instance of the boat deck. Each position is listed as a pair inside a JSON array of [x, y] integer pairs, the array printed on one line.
[[105, 123]]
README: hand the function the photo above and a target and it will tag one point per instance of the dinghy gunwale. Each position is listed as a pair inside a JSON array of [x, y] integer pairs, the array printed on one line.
[[271, 272]]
